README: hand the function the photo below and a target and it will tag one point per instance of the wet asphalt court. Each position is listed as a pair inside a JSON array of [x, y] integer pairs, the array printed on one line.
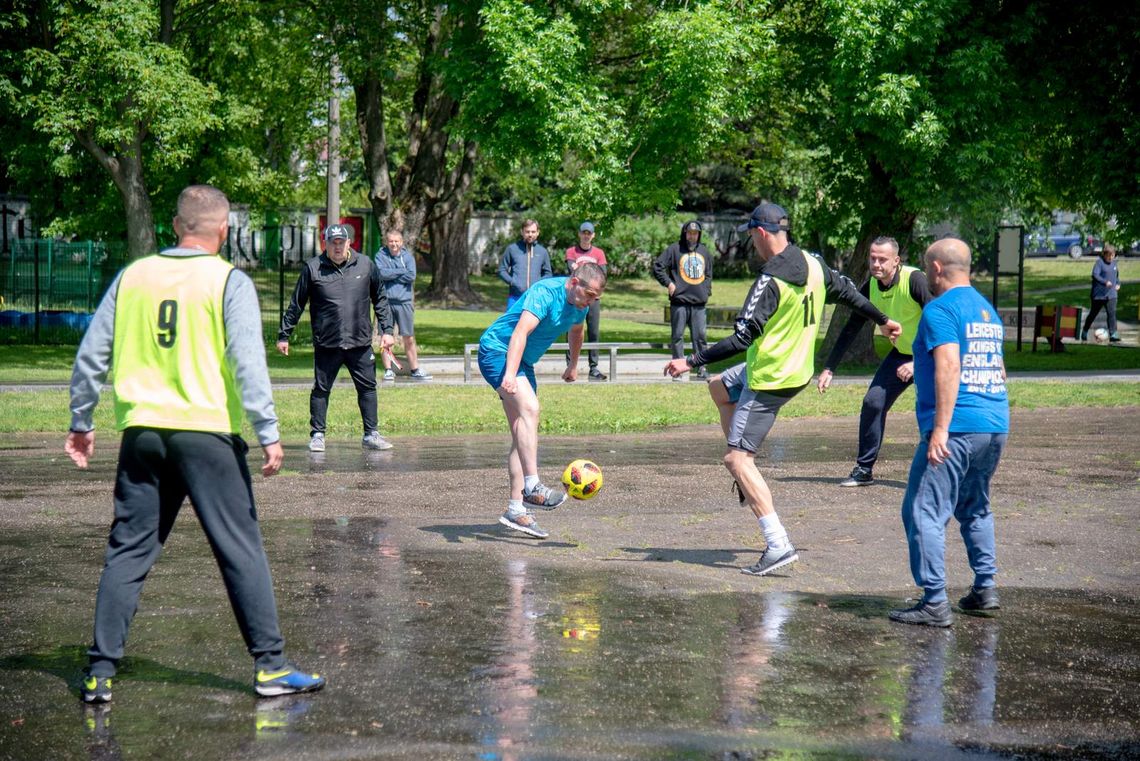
[[445, 652]]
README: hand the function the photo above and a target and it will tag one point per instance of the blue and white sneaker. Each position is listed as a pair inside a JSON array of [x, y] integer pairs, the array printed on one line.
[[543, 497], [285, 681], [523, 522]]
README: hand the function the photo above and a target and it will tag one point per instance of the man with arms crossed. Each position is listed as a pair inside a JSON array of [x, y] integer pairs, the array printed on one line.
[[777, 326], [509, 349], [901, 293], [182, 330], [963, 419]]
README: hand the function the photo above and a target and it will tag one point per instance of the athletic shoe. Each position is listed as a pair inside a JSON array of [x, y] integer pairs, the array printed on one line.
[[543, 497], [980, 599], [702, 374], [419, 375], [96, 689], [770, 561], [531, 527], [317, 442], [860, 476], [389, 375], [1114, 338], [375, 441], [285, 681], [1084, 336], [924, 614], [596, 374]]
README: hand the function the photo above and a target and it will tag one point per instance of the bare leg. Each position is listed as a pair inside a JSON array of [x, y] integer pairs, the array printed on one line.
[[412, 352], [724, 405], [742, 465], [522, 411]]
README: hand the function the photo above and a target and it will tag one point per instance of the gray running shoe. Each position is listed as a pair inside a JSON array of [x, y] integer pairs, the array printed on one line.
[[860, 476], [419, 375], [924, 614], [543, 498], [317, 442], [980, 599], [770, 561], [375, 441], [523, 522], [389, 375], [96, 689]]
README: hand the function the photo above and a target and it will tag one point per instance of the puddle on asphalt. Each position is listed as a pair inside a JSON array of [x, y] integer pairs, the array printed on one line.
[[460, 654]]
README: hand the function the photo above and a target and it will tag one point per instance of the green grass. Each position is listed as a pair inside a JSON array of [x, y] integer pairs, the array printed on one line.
[[613, 409]]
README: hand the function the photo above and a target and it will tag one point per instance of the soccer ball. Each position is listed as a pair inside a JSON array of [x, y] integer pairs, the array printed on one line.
[[1100, 335], [583, 479]]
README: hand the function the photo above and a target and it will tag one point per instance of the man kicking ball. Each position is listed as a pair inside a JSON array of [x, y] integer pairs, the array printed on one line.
[[510, 348]]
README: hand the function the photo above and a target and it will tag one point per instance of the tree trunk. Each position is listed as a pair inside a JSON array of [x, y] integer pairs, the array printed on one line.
[[126, 169], [450, 277], [891, 219]]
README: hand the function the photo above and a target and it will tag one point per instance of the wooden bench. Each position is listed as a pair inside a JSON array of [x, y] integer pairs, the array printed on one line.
[[612, 347], [717, 317]]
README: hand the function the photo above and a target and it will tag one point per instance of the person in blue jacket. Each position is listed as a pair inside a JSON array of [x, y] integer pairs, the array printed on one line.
[[397, 269], [1105, 285], [524, 263]]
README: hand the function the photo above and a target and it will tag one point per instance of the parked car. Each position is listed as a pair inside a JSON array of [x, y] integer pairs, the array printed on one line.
[[1061, 238]]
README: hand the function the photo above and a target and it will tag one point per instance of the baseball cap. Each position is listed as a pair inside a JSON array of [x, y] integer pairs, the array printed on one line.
[[586, 227], [338, 231], [768, 216], [694, 225]]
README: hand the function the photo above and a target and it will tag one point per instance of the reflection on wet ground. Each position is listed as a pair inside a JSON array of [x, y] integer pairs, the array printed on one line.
[[457, 654]]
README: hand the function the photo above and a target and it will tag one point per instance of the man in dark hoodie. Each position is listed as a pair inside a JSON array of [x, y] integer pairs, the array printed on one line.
[[685, 268], [777, 326]]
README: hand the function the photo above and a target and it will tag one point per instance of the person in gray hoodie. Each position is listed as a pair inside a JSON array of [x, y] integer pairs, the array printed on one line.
[[397, 269], [524, 263], [685, 268]]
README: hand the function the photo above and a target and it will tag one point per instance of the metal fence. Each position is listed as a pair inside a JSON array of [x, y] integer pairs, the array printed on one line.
[[49, 289]]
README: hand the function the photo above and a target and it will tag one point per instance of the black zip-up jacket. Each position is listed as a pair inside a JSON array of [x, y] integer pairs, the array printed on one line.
[[790, 266], [340, 298]]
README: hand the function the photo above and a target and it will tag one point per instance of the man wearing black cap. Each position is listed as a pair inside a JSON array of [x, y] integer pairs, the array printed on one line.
[[342, 285], [585, 251], [777, 326], [685, 268]]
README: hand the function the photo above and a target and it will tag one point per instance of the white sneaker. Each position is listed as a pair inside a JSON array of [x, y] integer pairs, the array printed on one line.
[[375, 441], [317, 442], [389, 375], [419, 375]]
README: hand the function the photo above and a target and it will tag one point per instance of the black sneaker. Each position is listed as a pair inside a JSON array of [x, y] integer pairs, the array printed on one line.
[[1114, 338], [860, 476], [980, 599], [770, 561], [96, 689], [924, 614], [596, 374]]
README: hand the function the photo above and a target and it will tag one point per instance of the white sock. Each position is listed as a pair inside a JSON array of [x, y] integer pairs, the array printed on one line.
[[515, 507], [774, 533], [530, 482]]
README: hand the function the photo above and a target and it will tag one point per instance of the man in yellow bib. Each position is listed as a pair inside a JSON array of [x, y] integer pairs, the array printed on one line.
[[777, 326], [901, 292], [182, 330]]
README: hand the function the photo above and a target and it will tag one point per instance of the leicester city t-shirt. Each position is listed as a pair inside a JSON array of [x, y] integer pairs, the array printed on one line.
[[546, 300], [963, 316]]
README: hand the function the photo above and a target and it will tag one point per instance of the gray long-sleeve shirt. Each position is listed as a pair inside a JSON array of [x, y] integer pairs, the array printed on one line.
[[245, 353]]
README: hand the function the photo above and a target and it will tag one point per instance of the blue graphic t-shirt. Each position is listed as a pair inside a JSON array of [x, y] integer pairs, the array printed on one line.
[[546, 300], [963, 316]]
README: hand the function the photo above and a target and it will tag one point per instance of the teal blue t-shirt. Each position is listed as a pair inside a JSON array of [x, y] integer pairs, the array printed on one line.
[[962, 316], [546, 300]]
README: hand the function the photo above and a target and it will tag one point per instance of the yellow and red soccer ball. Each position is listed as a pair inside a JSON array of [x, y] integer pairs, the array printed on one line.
[[583, 479]]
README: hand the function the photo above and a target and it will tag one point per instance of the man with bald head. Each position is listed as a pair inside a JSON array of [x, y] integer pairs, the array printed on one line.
[[182, 329], [963, 419]]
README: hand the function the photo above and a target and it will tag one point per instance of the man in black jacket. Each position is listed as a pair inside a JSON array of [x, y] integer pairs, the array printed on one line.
[[341, 285], [685, 268]]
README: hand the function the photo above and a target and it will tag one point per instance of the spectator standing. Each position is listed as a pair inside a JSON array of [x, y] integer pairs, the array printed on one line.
[[182, 330], [901, 293], [585, 251], [524, 263], [963, 419], [340, 286], [685, 268], [398, 274], [1105, 289], [777, 327]]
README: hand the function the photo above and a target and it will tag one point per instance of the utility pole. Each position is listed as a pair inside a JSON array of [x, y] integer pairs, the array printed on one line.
[[333, 206]]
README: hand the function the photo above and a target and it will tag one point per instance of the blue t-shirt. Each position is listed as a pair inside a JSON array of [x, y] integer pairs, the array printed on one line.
[[963, 316], [546, 300]]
